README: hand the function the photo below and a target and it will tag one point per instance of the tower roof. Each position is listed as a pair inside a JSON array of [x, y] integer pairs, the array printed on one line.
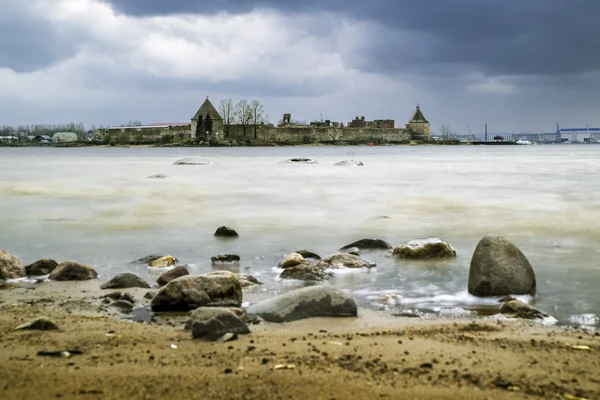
[[418, 116], [207, 109]]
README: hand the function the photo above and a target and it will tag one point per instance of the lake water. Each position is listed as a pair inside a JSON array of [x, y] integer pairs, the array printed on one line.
[[96, 206]]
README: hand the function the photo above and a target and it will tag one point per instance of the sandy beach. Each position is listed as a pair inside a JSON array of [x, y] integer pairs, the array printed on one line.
[[368, 357]]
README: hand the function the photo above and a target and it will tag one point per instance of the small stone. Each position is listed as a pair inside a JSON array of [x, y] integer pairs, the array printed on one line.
[[308, 254], [124, 281], [149, 295], [430, 248], [128, 297], [123, 306], [163, 262], [175, 273], [148, 259], [41, 267], [225, 231], [158, 176], [113, 296], [73, 271], [290, 260], [368, 244], [225, 258], [39, 324]]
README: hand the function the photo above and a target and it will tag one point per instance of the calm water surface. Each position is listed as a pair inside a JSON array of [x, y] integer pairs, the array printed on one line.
[[95, 205]]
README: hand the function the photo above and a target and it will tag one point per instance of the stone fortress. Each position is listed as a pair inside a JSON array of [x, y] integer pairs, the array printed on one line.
[[208, 126]]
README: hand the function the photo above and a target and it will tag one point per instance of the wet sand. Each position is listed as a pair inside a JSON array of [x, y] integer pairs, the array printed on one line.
[[369, 357]]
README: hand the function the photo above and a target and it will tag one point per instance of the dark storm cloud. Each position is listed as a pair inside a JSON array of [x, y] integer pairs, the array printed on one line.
[[496, 37]]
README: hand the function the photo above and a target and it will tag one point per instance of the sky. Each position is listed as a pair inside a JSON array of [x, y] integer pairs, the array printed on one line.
[[517, 65]]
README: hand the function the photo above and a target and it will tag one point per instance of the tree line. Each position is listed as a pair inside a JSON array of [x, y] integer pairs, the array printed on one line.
[[43, 129], [247, 114]]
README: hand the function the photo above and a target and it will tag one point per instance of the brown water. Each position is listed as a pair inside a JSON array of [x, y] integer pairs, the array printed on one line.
[[96, 206]]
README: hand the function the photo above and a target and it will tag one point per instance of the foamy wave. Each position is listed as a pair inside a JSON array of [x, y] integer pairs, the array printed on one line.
[[584, 319]]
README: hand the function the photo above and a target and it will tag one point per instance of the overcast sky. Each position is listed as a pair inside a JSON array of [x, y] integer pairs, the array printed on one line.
[[519, 65]]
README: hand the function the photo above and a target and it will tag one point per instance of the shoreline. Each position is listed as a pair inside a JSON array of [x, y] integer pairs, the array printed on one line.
[[364, 357]]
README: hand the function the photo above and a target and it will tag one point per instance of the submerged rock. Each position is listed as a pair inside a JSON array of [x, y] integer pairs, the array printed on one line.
[[124, 281], [41, 267], [301, 160], [305, 271], [150, 258], [225, 258], [163, 262], [225, 231], [211, 323], [354, 251], [39, 324], [158, 176], [73, 271], [345, 260], [350, 163], [314, 301], [217, 289], [369, 244], [308, 254], [10, 266], [174, 273], [290, 260], [499, 268], [191, 161], [425, 249], [518, 309]]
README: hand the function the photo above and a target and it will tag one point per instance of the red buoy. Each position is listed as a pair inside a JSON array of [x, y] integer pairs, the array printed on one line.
[[371, 144]]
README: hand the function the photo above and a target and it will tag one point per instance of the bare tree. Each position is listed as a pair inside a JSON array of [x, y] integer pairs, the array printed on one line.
[[242, 114], [445, 132], [227, 113], [257, 115]]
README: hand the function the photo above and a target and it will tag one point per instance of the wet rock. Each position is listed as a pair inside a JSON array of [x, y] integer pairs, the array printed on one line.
[[308, 254], [217, 289], [518, 309], [422, 249], [369, 244], [354, 250], [314, 301], [211, 323], [349, 163], [163, 262], [150, 295], [123, 306], [225, 231], [73, 271], [344, 260], [191, 161], [128, 297], [306, 271], [301, 160], [113, 296], [290, 260], [247, 280], [158, 176], [41, 267], [124, 281], [148, 259], [10, 266], [222, 258], [499, 268], [172, 274], [39, 324]]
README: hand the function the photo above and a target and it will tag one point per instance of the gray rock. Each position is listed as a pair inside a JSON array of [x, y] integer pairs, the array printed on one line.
[[422, 249], [211, 323], [349, 163], [354, 251], [222, 258], [306, 271], [308, 254], [41, 267], [217, 289], [73, 271], [290, 260], [344, 260], [314, 301], [124, 281], [39, 324], [113, 295], [499, 268], [191, 161], [174, 273], [123, 305], [247, 280], [148, 259], [369, 244], [225, 231], [518, 309], [128, 297], [10, 266], [300, 160], [150, 295], [158, 176]]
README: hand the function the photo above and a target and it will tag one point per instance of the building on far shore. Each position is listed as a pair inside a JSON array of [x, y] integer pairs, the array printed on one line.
[[64, 137]]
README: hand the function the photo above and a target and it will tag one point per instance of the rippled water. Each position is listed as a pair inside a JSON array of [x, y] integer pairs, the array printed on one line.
[[95, 205]]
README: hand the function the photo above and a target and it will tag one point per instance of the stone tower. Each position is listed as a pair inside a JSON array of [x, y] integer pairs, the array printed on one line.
[[207, 119], [418, 126]]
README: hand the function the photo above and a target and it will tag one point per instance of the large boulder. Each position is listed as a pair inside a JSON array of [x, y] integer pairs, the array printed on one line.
[[172, 274], [369, 244], [290, 260], [345, 260], [499, 268], [124, 281], [225, 231], [73, 271], [425, 249], [211, 323], [163, 262], [306, 271], [314, 301], [217, 289], [41, 267], [10, 266]]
